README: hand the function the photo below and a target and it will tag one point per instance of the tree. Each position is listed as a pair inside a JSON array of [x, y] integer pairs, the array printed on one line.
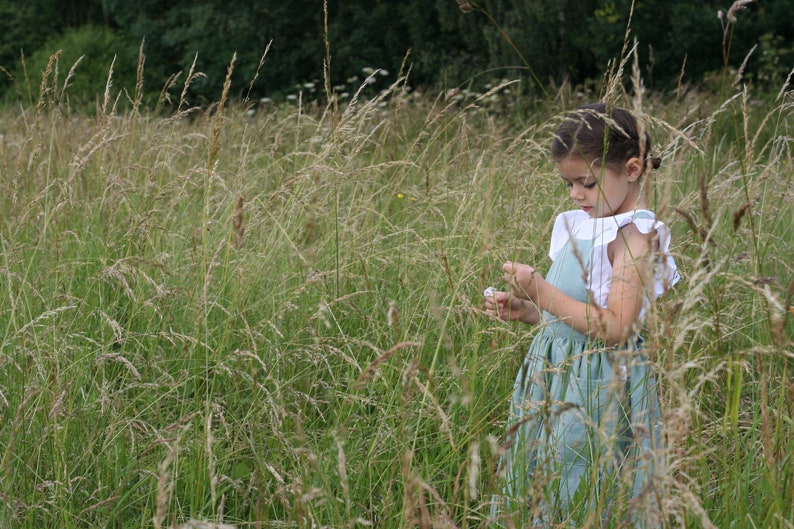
[[541, 41]]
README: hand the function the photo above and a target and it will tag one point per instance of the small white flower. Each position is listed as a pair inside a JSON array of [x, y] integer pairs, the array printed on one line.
[[489, 292]]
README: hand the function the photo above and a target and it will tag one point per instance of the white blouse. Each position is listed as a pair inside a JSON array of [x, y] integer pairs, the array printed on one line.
[[578, 225]]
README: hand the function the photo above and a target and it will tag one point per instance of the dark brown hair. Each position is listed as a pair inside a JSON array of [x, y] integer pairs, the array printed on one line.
[[604, 136]]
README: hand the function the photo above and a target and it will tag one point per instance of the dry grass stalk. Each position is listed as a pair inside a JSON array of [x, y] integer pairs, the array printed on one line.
[[164, 483], [69, 77], [699, 230], [258, 70], [741, 212], [738, 77], [118, 357], [55, 411], [211, 459], [42, 318], [138, 98], [108, 84], [393, 319], [373, 366], [202, 524], [341, 465], [216, 130], [474, 469], [705, 205], [213, 264], [192, 75], [737, 6], [639, 91], [465, 6], [333, 103], [613, 82], [44, 89], [238, 229], [445, 422]]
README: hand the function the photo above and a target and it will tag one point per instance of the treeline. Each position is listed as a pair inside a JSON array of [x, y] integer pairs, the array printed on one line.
[[452, 43]]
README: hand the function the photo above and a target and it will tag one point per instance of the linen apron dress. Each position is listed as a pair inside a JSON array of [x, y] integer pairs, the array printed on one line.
[[584, 430]]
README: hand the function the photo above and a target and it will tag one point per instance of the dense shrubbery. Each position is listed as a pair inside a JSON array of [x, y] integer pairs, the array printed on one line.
[[89, 56], [543, 42]]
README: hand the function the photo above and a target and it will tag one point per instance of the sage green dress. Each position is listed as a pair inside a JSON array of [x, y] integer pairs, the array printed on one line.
[[584, 439]]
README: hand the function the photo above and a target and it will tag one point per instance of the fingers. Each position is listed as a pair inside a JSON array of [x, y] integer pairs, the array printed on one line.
[[497, 304], [518, 277], [506, 305], [509, 276]]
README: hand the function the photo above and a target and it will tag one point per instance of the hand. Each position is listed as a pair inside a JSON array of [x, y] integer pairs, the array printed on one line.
[[520, 277], [505, 306]]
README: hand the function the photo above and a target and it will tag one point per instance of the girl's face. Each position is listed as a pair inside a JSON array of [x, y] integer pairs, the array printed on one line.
[[601, 191]]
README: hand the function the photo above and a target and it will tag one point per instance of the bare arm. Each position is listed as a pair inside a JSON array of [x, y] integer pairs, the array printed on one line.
[[614, 324]]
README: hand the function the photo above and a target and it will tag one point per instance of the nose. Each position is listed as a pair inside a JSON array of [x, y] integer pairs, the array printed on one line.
[[576, 192]]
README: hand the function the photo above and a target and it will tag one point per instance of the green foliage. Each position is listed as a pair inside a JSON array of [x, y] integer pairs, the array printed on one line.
[[774, 61], [25, 27], [543, 42], [85, 57], [213, 32]]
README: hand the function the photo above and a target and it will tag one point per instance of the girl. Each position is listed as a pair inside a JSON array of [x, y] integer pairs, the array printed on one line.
[[584, 425]]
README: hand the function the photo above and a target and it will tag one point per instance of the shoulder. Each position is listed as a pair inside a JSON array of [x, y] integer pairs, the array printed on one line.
[[642, 239], [640, 223], [632, 237], [637, 234], [645, 220]]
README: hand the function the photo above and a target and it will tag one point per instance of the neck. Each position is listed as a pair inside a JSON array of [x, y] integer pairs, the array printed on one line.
[[634, 200]]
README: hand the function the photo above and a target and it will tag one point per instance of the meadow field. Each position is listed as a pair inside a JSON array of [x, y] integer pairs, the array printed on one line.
[[253, 315]]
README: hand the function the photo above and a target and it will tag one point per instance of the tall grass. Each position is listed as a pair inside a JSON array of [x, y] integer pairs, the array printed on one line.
[[216, 319]]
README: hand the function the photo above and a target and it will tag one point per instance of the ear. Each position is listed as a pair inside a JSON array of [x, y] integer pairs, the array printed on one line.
[[634, 169]]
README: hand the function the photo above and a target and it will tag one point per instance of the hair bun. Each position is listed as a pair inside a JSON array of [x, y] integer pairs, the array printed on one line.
[[655, 161]]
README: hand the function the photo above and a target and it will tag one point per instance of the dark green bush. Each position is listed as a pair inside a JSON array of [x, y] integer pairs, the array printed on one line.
[[80, 72], [450, 43]]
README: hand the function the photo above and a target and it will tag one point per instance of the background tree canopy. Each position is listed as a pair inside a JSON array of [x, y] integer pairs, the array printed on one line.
[[540, 41]]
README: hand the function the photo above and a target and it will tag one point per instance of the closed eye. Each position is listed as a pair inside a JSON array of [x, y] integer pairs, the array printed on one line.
[[589, 185]]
